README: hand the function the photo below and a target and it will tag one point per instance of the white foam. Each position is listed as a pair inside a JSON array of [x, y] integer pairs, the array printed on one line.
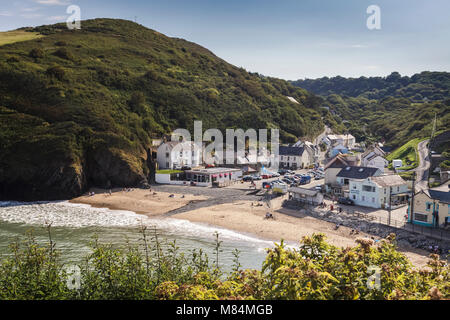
[[66, 214]]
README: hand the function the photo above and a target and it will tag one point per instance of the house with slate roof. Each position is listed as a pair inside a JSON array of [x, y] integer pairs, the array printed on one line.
[[294, 158], [351, 178], [431, 209]]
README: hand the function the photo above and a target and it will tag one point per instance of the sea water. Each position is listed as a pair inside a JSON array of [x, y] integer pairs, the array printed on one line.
[[74, 227]]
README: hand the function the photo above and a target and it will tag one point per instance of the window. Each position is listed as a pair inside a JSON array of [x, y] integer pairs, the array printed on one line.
[[368, 188], [420, 217], [428, 206], [167, 155], [373, 200], [354, 197], [398, 189], [363, 198], [167, 165], [384, 191], [181, 153]]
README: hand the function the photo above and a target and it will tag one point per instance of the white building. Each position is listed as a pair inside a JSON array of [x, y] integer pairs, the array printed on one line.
[[345, 139], [379, 191], [172, 155], [295, 158], [374, 157]]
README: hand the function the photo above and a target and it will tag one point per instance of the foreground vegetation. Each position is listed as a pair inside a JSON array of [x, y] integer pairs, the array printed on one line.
[[317, 270]]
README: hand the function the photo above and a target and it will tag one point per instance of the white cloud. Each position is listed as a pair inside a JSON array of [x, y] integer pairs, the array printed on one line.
[[29, 9], [56, 18], [31, 15], [53, 2], [359, 46], [5, 14]]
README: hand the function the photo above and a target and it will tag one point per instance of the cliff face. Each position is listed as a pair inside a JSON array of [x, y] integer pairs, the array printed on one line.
[[79, 108]]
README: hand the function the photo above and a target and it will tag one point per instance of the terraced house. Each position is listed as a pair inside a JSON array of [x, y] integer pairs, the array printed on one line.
[[431, 208], [295, 158]]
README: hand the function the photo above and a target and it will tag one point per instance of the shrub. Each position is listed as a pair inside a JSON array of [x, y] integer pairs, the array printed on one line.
[[63, 53], [57, 72], [36, 53], [315, 271]]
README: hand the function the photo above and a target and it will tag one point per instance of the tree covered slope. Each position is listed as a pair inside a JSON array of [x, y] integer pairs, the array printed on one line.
[[395, 109], [80, 108]]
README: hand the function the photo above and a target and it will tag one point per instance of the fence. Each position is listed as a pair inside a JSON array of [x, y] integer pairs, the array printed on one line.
[[439, 234], [435, 233]]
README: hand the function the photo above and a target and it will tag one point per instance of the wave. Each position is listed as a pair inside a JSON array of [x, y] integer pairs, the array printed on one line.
[[71, 215]]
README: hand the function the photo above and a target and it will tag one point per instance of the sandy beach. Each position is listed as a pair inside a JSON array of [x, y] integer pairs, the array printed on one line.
[[140, 201], [247, 217]]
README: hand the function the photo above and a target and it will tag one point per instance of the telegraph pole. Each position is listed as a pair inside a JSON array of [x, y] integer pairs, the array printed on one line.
[[411, 206], [390, 205]]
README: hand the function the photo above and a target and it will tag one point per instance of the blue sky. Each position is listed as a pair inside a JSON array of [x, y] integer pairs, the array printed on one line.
[[290, 39]]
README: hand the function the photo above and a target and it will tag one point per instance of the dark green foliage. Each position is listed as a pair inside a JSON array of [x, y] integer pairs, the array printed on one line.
[[36, 53], [395, 109], [429, 85], [57, 72], [149, 270]]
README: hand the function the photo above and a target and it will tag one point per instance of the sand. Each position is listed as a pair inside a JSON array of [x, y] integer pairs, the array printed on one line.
[[138, 200], [242, 216]]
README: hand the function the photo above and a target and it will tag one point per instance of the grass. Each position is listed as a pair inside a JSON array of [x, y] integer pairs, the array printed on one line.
[[168, 171], [17, 36], [408, 153]]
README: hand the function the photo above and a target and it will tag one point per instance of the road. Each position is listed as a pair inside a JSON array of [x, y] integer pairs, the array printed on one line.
[[424, 165]]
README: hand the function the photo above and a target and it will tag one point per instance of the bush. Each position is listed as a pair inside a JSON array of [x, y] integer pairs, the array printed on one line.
[[36, 53], [315, 271], [63, 53], [57, 72]]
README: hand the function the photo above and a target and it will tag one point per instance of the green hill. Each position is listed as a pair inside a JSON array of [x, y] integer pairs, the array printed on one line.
[[393, 109], [79, 108]]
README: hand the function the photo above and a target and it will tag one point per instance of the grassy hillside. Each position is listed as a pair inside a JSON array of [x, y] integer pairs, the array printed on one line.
[[80, 107], [408, 153], [17, 36]]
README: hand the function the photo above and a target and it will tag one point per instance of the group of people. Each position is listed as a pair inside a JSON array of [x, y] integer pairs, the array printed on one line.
[[435, 249]]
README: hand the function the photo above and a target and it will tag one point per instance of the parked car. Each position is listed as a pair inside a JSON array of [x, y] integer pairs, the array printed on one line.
[[267, 185], [305, 179], [247, 178], [282, 171], [209, 166], [275, 175], [347, 201], [264, 176], [186, 168], [318, 188], [257, 178]]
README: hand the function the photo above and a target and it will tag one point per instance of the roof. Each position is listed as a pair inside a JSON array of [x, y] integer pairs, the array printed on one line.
[[373, 148], [376, 156], [357, 172], [388, 181], [341, 161], [308, 192], [291, 151], [340, 136], [213, 170], [443, 196]]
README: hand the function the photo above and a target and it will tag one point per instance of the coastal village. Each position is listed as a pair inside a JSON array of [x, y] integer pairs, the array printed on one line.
[[343, 186]]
